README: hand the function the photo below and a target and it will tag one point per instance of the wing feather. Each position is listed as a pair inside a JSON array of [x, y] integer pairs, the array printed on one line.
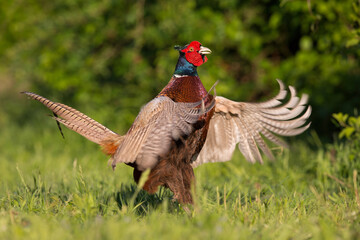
[[247, 124], [158, 123]]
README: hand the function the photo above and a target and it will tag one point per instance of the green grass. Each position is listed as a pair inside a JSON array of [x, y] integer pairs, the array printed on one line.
[[63, 189]]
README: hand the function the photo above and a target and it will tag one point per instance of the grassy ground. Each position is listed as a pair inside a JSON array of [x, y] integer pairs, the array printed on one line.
[[63, 189]]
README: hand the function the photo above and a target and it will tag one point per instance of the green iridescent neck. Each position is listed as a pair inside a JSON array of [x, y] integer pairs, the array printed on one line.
[[183, 67]]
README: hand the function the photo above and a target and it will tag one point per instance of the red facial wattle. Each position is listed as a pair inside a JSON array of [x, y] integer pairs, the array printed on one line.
[[195, 58], [194, 55]]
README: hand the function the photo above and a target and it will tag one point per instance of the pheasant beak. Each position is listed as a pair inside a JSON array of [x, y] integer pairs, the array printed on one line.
[[204, 50]]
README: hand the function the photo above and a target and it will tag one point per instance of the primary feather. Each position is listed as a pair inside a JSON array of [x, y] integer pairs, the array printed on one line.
[[245, 124]]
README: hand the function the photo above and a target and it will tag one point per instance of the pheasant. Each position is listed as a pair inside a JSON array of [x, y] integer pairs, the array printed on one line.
[[184, 126]]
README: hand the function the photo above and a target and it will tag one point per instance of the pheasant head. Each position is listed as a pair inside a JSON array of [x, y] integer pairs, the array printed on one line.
[[191, 56]]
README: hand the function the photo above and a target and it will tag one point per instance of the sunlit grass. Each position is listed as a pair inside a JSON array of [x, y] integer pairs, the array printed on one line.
[[63, 189]]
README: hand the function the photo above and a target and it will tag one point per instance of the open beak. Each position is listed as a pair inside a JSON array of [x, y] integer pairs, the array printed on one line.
[[204, 50]]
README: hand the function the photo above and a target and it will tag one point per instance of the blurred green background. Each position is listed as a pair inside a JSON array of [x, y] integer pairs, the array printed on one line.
[[108, 58]]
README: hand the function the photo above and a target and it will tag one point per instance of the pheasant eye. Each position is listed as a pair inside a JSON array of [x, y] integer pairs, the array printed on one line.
[[191, 49]]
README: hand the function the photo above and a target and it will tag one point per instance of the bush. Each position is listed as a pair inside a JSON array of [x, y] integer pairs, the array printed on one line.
[[118, 54], [350, 129]]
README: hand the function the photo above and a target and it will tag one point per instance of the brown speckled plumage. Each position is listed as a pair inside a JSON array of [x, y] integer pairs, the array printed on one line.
[[184, 127], [174, 170]]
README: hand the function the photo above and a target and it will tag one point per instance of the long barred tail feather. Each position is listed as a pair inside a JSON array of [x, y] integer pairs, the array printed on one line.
[[82, 124]]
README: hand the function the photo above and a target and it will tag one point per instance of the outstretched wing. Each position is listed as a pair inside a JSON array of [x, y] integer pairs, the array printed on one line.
[[158, 123], [245, 124]]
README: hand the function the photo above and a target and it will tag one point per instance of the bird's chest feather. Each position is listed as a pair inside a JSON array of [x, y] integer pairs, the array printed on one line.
[[188, 89], [184, 89]]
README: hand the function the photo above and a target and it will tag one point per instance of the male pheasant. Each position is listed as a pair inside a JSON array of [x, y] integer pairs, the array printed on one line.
[[184, 126]]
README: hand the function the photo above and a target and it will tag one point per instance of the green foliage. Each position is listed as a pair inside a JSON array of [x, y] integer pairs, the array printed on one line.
[[350, 129], [350, 126], [107, 58], [117, 55]]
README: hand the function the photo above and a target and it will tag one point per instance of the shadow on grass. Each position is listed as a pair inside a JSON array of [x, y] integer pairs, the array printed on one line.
[[139, 202], [86, 199]]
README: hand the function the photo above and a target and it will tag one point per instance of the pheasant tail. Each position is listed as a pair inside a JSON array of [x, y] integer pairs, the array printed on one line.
[[82, 124]]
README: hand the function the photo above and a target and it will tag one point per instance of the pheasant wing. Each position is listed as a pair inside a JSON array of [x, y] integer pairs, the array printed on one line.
[[158, 123], [246, 124]]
